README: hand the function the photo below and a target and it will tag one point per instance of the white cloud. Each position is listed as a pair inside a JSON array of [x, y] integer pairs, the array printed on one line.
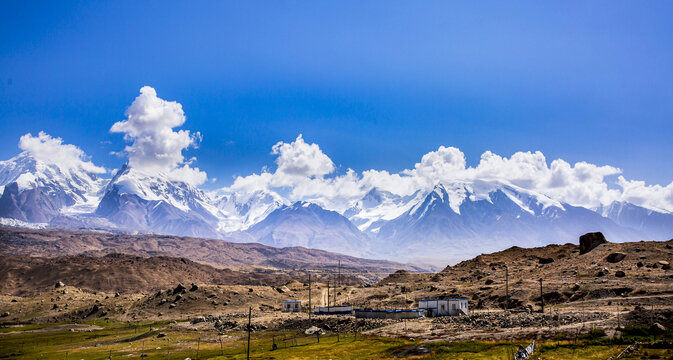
[[298, 160], [155, 146], [652, 196], [51, 150], [308, 173]]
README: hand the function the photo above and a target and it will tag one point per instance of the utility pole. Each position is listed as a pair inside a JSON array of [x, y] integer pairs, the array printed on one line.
[[339, 272], [618, 324], [310, 309], [506, 287], [335, 292], [541, 296], [249, 328]]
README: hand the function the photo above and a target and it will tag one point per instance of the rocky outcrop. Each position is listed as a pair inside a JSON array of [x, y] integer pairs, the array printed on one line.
[[615, 257], [590, 241]]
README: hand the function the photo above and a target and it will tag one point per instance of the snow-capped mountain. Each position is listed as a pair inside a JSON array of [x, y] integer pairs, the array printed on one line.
[[36, 191], [653, 224], [156, 203], [377, 207], [449, 222], [240, 211], [309, 225], [461, 220]]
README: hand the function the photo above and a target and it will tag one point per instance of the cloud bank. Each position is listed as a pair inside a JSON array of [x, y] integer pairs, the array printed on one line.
[[304, 172], [155, 147], [50, 150]]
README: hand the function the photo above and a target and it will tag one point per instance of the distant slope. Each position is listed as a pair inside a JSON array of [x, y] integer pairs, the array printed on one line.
[[27, 276], [308, 225], [53, 243], [656, 225]]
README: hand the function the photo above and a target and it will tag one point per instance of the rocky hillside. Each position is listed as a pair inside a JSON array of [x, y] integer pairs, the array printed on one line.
[[610, 270], [28, 276], [218, 253]]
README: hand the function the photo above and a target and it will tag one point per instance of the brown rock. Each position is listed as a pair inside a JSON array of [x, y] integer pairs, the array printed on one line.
[[615, 257], [589, 241]]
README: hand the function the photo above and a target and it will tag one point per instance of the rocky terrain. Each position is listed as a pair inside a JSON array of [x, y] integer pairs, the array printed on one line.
[[217, 253], [608, 284]]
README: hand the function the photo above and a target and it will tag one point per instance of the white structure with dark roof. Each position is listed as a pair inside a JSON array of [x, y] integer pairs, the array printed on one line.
[[444, 307], [291, 306]]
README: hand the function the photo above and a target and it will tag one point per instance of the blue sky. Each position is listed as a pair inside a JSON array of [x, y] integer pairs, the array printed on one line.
[[375, 84]]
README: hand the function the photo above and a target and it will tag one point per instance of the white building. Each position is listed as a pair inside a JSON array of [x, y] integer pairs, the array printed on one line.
[[291, 306], [443, 307]]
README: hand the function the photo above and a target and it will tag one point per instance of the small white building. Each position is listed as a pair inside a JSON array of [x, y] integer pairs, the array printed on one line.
[[291, 306], [444, 307]]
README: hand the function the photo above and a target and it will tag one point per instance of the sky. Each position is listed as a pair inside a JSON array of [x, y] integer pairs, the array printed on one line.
[[375, 85]]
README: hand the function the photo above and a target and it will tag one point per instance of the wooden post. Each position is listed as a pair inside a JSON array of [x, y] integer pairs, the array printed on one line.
[[249, 329], [506, 287], [198, 345], [310, 308], [618, 325], [541, 296], [328, 294], [221, 348]]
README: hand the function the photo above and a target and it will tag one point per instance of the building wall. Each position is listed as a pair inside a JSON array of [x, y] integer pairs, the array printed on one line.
[[440, 307], [291, 307]]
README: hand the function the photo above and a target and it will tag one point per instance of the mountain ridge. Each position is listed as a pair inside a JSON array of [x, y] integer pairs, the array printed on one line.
[[447, 220]]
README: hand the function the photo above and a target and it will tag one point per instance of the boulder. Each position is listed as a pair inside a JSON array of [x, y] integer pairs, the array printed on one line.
[[171, 306], [59, 284], [313, 330], [194, 287], [615, 257], [590, 241], [283, 289], [198, 319], [603, 272], [665, 265], [545, 260], [179, 289], [620, 274], [657, 328]]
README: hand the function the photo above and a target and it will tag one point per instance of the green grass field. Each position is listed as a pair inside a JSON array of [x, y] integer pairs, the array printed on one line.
[[139, 340]]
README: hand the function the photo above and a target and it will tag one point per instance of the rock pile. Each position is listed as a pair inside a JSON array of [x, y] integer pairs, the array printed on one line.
[[504, 320]]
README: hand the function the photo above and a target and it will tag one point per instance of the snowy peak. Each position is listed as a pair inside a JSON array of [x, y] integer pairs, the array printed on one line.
[[157, 187], [239, 212], [657, 225], [41, 190], [442, 197]]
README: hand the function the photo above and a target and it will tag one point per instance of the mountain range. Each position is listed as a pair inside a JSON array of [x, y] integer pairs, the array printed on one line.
[[447, 223]]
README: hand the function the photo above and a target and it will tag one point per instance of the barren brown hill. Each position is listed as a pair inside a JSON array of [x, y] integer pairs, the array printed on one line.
[[218, 253], [28, 276], [611, 270]]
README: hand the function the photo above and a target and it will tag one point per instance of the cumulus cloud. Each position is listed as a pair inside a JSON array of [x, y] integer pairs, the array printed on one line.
[[652, 196], [155, 147], [51, 150], [309, 174], [299, 160]]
